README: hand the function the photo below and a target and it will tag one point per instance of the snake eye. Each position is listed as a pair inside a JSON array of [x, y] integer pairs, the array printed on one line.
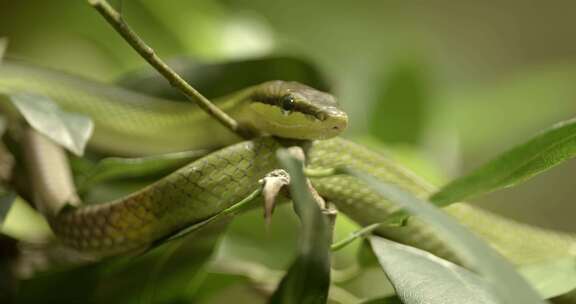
[[287, 103]]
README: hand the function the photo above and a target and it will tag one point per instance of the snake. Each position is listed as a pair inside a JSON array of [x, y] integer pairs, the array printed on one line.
[[130, 123]]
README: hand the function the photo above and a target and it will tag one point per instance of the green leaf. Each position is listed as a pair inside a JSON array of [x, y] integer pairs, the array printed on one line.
[[71, 130], [178, 268], [272, 247], [168, 274], [420, 277], [542, 152], [507, 284], [384, 300], [24, 223], [552, 278], [568, 298], [220, 79], [7, 198], [308, 278], [398, 114], [3, 46], [116, 167], [251, 254], [365, 255]]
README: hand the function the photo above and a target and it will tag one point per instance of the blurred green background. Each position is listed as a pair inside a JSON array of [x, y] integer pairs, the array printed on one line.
[[444, 85]]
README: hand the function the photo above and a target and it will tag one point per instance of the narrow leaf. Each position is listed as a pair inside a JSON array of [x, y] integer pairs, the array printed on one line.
[[71, 130], [22, 222], [420, 277], [384, 300], [116, 167], [509, 286], [568, 298], [546, 150], [308, 279], [552, 278], [7, 198], [3, 46], [221, 79]]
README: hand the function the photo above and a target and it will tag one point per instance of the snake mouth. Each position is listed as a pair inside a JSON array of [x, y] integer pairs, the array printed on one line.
[[338, 122], [334, 126], [308, 129]]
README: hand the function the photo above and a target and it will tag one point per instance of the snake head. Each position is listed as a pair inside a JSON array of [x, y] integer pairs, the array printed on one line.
[[293, 110]]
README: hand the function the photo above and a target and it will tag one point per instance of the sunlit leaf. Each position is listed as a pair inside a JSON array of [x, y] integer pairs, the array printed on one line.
[[507, 284], [385, 300], [71, 130], [551, 278], [24, 223], [420, 277], [308, 278], [546, 150]]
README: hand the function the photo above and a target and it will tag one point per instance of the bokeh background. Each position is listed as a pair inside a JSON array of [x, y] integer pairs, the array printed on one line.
[[450, 83], [445, 85]]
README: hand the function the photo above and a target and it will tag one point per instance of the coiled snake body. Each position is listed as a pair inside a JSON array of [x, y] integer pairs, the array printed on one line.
[[132, 123]]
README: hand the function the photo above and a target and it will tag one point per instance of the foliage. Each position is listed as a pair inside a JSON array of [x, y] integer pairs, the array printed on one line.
[[308, 279], [548, 149], [420, 277], [431, 123], [71, 130], [506, 284]]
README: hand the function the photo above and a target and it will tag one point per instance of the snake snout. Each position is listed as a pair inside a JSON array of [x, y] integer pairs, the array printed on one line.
[[337, 121], [334, 124]]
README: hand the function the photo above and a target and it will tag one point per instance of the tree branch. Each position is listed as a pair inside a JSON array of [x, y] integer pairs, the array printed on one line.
[[115, 20]]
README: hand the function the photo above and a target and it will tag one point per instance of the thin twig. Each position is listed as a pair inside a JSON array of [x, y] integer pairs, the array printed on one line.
[[118, 23]]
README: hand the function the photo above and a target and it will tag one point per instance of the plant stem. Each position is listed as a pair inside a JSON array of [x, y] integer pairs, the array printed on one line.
[[117, 22], [353, 236]]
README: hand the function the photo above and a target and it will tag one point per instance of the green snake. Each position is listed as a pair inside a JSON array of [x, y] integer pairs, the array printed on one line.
[[130, 123]]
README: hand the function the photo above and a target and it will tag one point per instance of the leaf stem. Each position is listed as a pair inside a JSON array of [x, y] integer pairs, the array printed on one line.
[[117, 22], [353, 236]]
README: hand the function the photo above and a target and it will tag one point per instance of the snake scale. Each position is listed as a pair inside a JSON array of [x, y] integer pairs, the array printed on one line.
[[130, 123]]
